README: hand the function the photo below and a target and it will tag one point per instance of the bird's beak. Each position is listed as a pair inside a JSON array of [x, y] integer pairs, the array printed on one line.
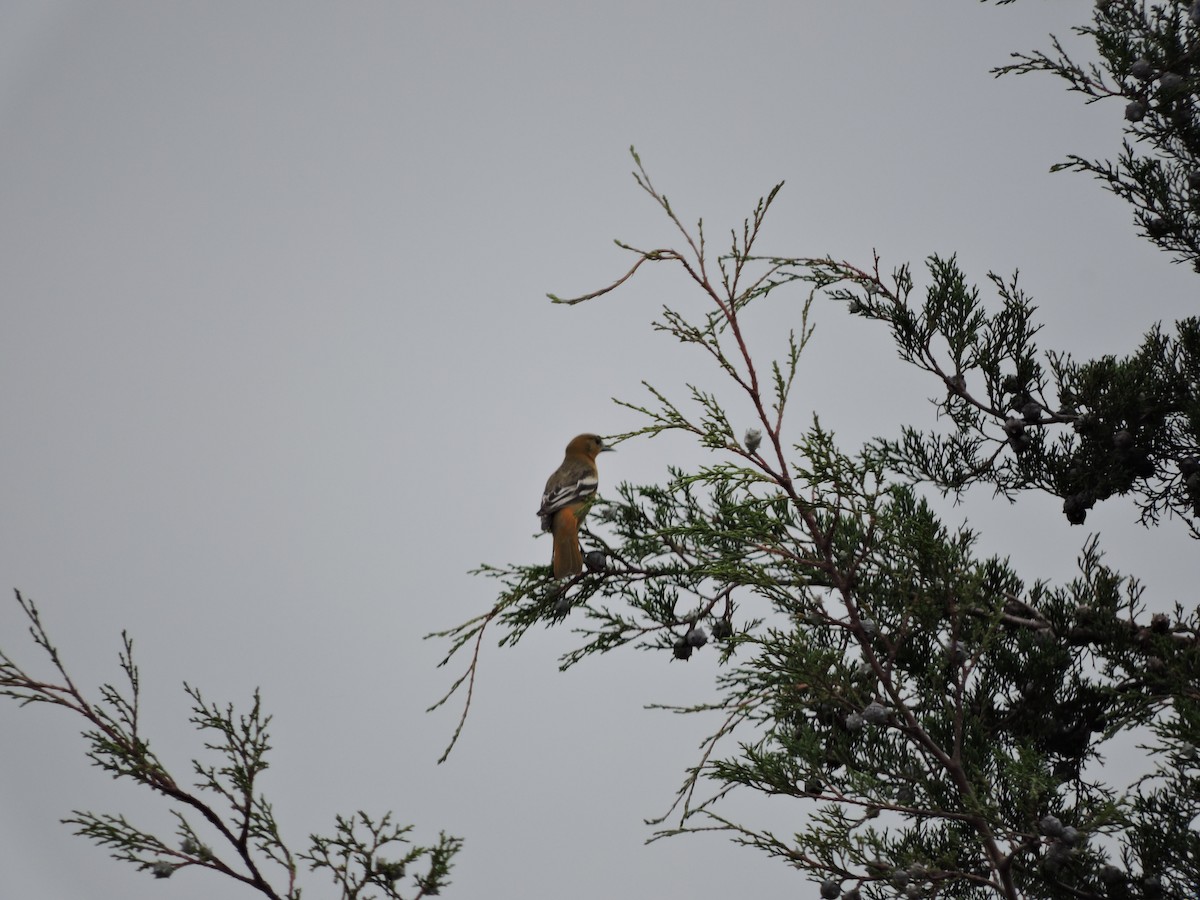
[[608, 449]]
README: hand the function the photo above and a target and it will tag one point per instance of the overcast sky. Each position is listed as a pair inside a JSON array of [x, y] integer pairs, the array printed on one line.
[[277, 369]]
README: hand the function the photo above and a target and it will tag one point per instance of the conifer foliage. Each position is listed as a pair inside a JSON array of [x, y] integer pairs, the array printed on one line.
[[938, 718], [224, 823]]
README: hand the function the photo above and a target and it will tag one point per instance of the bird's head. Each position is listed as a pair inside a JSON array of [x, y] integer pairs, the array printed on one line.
[[589, 445]]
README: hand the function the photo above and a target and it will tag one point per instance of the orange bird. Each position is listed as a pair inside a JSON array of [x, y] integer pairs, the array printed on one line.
[[565, 502]]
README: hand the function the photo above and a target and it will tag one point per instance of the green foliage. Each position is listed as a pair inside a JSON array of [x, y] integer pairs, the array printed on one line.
[[353, 856], [1080, 431], [940, 720], [1087, 431], [238, 835], [1148, 59]]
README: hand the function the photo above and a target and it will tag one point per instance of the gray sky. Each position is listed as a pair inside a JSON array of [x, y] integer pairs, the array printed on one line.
[[277, 369]]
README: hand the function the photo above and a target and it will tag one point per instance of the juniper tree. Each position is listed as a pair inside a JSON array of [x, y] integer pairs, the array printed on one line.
[[1146, 68], [223, 821], [938, 718], [1085, 431]]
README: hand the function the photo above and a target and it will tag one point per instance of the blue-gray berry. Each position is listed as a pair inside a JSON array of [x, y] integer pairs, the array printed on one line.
[[875, 713], [1051, 826], [1141, 69], [1058, 852], [752, 439]]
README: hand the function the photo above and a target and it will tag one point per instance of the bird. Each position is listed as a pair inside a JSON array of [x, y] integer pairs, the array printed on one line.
[[568, 496]]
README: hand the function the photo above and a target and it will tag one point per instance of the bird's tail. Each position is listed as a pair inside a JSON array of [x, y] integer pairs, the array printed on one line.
[[567, 559]]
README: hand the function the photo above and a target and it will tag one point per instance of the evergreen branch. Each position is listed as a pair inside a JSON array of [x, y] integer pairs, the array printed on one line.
[[248, 834]]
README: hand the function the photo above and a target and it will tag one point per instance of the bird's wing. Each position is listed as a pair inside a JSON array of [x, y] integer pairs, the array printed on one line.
[[563, 493]]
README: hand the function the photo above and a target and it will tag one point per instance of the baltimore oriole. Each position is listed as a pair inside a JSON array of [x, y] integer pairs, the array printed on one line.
[[565, 502]]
